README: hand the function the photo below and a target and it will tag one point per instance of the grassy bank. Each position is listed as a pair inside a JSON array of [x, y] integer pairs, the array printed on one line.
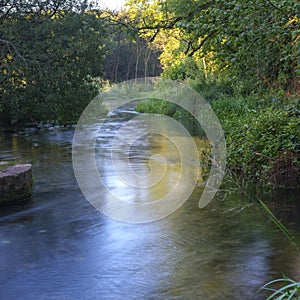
[[263, 138], [262, 132]]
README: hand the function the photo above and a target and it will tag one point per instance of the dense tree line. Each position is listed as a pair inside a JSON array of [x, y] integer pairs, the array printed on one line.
[[243, 57], [255, 42], [131, 56], [55, 56]]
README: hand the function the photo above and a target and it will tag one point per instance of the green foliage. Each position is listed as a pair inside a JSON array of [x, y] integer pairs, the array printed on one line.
[[289, 290], [48, 61], [262, 132], [263, 140], [159, 106], [259, 50], [182, 69], [130, 58], [211, 88], [156, 106]]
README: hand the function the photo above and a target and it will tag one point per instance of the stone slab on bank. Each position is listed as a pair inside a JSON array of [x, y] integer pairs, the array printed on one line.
[[15, 183]]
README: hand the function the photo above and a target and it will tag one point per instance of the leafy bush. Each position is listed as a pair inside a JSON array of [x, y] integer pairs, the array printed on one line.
[[47, 74], [262, 133], [211, 88], [263, 139]]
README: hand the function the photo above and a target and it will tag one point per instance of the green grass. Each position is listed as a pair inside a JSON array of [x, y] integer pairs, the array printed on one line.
[[289, 290]]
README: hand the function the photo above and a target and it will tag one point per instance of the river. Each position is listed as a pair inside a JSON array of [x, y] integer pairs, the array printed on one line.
[[58, 246]]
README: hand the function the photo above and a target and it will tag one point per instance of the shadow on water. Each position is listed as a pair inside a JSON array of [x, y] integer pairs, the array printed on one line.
[[59, 247]]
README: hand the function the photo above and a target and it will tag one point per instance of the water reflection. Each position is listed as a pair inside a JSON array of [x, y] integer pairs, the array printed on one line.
[[59, 247]]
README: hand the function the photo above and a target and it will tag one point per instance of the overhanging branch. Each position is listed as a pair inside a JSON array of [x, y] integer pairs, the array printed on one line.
[[211, 34]]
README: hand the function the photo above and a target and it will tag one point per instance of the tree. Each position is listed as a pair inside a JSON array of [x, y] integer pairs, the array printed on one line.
[[256, 41], [50, 51], [130, 55]]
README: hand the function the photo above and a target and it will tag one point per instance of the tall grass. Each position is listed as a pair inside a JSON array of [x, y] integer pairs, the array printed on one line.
[[290, 289], [241, 185]]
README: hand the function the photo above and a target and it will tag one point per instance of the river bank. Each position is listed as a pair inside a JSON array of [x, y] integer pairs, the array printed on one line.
[[59, 246], [262, 133]]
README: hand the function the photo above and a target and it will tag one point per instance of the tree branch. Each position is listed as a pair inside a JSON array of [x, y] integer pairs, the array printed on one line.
[[202, 43], [10, 45], [171, 22], [273, 5]]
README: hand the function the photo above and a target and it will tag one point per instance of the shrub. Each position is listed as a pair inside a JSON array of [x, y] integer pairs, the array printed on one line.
[[263, 139]]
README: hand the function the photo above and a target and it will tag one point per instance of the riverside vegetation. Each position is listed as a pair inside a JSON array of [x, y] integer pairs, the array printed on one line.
[[57, 55], [246, 65], [262, 133]]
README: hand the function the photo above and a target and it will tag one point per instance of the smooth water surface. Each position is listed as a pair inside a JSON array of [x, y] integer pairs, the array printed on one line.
[[58, 246]]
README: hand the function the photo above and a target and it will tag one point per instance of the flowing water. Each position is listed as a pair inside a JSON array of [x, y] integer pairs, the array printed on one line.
[[58, 246]]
